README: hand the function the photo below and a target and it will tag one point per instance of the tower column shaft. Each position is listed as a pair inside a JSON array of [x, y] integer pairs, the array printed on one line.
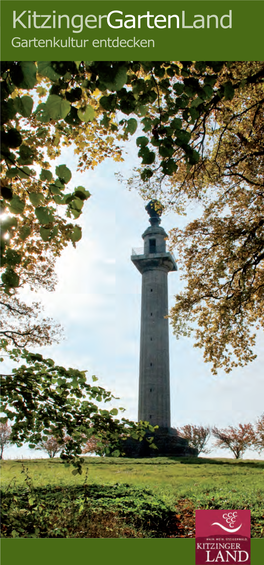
[[154, 372]]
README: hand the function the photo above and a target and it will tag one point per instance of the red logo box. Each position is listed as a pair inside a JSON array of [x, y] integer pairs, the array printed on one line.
[[222, 536]]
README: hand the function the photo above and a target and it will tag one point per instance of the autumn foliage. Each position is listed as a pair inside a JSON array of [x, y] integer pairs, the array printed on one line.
[[5, 440], [259, 434], [95, 445], [197, 436], [52, 446], [237, 439], [198, 127]]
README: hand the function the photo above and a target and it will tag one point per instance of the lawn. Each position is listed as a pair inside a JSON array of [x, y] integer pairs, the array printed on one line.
[[125, 497]]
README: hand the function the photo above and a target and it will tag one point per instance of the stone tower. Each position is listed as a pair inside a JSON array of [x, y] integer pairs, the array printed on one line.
[[154, 263]]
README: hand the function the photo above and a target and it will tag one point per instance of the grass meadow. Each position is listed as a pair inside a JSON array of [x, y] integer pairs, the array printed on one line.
[[122, 498]]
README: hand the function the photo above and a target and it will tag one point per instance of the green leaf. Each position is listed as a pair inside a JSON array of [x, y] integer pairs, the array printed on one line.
[[26, 153], [8, 110], [63, 173], [179, 88], [146, 174], [148, 157], [176, 123], [25, 173], [10, 278], [169, 167], [142, 141], [196, 102], [58, 199], [45, 233], [82, 193], [148, 124], [194, 157], [166, 151], [42, 113], [114, 412], [68, 198], [86, 115], [23, 105], [24, 232], [194, 113], [35, 198], [142, 110], [183, 136], [12, 257], [105, 121], [26, 78], [115, 82], [56, 107], [44, 215], [16, 206], [76, 234], [229, 90], [11, 173], [115, 453], [208, 90], [29, 71], [131, 126], [76, 204], [59, 183], [41, 132], [45, 175], [210, 79], [54, 189], [108, 102], [45, 69]]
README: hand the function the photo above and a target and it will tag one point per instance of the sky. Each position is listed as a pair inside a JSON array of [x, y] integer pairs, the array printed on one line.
[[97, 301]]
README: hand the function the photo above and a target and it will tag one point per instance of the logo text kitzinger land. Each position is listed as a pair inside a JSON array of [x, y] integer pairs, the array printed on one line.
[[222, 536]]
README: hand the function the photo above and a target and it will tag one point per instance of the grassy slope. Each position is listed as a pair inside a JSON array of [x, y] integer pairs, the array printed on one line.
[[182, 483]]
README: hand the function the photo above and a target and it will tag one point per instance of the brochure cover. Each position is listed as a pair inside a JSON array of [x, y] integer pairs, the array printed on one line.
[[132, 253]]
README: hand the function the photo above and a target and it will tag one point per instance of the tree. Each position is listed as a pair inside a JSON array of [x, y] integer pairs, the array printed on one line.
[[51, 446], [202, 140], [43, 399], [95, 445], [22, 325], [237, 439], [259, 434], [88, 104], [197, 436], [221, 253], [5, 433]]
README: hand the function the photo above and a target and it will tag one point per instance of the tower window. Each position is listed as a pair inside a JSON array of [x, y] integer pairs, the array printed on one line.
[[150, 390], [151, 364], [151, 313], [151, 290], [152, 246]]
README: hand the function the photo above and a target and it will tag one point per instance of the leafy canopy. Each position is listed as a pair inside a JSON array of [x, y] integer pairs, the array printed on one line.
[[41, 399], [199, 132]]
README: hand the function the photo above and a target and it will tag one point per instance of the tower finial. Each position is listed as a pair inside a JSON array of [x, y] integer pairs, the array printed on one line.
[[154, 209]]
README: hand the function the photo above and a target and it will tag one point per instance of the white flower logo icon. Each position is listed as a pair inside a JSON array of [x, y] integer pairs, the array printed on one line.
[[230, 519]]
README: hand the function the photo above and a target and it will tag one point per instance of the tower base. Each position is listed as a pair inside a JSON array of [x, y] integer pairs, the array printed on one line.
[[168, 444]]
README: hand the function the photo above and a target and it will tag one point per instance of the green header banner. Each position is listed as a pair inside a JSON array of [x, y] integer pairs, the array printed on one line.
[[138, 30], [112, 551]]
